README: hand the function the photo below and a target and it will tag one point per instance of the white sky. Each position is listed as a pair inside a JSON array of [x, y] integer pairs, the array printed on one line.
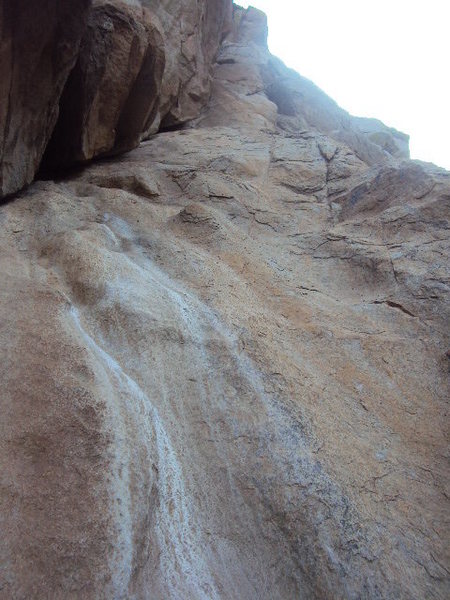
[[388, 59]]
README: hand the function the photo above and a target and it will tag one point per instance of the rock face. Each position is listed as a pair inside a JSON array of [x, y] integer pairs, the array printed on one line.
[[140, 64], [224, 359], [193, 32], [38, 48], [300, 104], [113, 92]]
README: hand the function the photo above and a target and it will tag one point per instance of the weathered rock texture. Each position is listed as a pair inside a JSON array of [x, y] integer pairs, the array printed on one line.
[[38, 48], [113, 92], [140, 65], [224, 361], [300, 104], [193, 32]]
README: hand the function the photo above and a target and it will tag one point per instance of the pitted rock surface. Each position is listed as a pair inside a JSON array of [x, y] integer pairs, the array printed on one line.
[[225, 361]]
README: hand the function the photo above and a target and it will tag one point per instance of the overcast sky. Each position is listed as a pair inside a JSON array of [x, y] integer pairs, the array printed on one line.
[[387, 59]]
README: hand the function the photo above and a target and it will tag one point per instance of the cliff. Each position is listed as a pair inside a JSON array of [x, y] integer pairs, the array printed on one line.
[[224, 353]]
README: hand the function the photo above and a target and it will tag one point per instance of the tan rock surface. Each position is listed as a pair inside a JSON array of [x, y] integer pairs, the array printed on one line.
[[193, 31], [300, 103], [224, 365]]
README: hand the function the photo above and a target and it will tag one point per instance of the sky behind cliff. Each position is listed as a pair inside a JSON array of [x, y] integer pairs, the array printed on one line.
[[385, 59]]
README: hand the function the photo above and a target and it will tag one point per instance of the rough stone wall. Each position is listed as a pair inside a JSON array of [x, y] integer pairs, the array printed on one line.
[[140, 66], [136, 68], [224, 361], [193, 33], [113, 92], [38, 48]]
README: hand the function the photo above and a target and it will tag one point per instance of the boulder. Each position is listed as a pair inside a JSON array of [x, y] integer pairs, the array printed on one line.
[[140, 65], [113, 92], [38, 48]]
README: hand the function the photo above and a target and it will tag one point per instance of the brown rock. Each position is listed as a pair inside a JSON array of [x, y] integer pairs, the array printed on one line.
[[113, 92], [393, 141], [116, 93], [300, 103], [192, 32], [225, 386], [38, 48], [223, 364]]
